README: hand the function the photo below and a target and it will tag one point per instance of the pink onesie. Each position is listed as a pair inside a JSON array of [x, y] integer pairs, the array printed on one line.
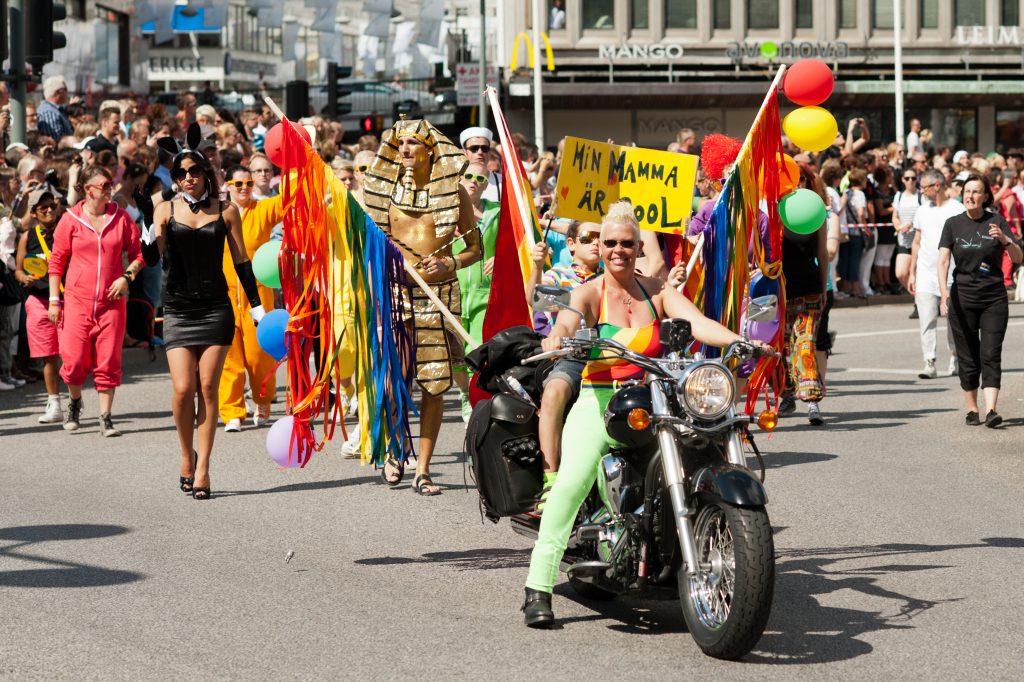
[[92, 326]]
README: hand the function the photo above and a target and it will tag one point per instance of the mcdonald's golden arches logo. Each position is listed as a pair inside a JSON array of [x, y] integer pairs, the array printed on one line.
[[530, 56]]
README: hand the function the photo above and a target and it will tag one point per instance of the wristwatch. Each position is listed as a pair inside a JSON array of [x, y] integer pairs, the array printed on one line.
[[129, 275]]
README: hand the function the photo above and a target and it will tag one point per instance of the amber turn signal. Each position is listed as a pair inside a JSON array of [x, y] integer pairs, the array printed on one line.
[[638, 419], [768, 420]]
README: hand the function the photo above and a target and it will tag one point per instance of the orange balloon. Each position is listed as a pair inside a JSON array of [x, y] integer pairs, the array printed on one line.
[[789, 175]]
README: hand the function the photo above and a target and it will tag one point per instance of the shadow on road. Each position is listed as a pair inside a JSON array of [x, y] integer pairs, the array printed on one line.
[[302, 487], [58, 573], [469, 560], [777, 460], [802, 630]]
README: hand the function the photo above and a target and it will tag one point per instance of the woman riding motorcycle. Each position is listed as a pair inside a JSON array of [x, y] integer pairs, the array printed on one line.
[[627, 308]]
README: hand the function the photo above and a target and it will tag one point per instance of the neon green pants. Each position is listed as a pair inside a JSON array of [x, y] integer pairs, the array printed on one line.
[[584, 443]]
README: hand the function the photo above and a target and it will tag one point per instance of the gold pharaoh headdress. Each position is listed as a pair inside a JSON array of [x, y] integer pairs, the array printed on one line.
[[384, 175]]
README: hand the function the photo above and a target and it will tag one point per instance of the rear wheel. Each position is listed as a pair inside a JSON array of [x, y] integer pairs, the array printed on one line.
[[726, 604]]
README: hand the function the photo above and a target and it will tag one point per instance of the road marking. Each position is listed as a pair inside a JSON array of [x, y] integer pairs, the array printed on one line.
[[916, 330]]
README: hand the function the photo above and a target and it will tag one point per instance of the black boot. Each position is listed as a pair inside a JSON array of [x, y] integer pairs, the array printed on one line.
[[537, 608]]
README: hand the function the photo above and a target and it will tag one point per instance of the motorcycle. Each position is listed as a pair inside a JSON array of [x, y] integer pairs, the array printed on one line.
[[674, 502]]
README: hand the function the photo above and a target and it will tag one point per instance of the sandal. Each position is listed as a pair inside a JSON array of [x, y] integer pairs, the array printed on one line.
[[424, 485], [185, 482], [201, 493], [396, 467]]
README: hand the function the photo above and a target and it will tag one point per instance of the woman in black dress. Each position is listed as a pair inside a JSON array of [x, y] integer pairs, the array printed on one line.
[[977, 304], [190, 231]]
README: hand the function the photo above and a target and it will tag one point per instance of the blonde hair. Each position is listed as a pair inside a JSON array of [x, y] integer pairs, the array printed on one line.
[[621, 213]]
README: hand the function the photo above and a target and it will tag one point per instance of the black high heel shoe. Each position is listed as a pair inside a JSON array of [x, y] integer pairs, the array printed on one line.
[[201, 493], [185, 482]]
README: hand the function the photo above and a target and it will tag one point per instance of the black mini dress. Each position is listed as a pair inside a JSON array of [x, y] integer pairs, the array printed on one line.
[[197, 310]]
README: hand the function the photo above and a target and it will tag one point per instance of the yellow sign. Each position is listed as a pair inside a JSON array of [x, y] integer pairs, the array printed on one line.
[[529, 51], [594, 175]]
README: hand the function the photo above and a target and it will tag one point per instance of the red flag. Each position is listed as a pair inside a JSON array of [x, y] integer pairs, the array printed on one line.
[[506, 306]]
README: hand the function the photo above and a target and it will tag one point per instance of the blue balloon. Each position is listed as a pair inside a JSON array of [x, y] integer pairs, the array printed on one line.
[[759, 286], [270, 333]]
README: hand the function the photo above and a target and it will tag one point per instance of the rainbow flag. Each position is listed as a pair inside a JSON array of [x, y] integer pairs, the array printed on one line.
[[522, 215]]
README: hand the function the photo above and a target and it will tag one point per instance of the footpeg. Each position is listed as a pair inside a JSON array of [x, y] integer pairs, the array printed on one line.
[[588, 569], [588, 533]]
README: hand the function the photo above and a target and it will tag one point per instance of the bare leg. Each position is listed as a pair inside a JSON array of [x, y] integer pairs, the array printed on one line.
[[461, 380], [211, 363], [903, 268], [991, 397], [431, 412], [106, 398], [551, 419], [183, 363], [51, 374], [971, 398], [75, 391]]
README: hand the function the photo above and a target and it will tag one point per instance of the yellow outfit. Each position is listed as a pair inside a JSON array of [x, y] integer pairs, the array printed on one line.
[[245, 354]]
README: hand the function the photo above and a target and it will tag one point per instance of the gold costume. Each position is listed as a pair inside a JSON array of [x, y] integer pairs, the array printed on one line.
[[425, 225]]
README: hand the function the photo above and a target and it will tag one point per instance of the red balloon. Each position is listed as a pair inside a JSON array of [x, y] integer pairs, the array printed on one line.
[[808, 83], [273, 140]]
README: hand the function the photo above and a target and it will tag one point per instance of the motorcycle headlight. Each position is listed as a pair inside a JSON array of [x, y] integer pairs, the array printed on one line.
[[708, 391]]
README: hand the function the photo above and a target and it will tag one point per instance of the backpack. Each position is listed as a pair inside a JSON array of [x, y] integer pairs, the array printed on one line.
[[504, 455]]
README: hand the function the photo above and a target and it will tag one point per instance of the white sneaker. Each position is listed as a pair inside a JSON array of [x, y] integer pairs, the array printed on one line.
[[350, 448], [261, 416], [814, 414], [929, 370], [954, 366], [233, 426], [4, 386], [53, 414], [16, 383]]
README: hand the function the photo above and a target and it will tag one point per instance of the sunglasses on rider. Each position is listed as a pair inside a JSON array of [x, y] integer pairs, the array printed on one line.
[[477, 148], [588, 238], [194, 172], [624, 243], [239, 184], [474, 177]]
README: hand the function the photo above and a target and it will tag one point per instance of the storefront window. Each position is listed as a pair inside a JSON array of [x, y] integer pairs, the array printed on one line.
[[1009, 13], [968, 13], [1009, 129], [929, 13], [805, 13], [598, 14], [556, 15], [847, 13], [680, 13], [955, 128], [639, 14], [882, 14], [763, 13], [111, 53], [722, 13]]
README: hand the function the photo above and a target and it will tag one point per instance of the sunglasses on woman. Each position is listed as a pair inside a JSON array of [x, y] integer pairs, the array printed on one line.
[[478, 179], [588, 238], [41, 208], [103, 187], [624, 243], [909, 177], [194, 172], [239, 184]]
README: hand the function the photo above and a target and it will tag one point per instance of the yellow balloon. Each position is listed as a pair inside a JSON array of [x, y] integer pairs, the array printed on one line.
[[811, 128]]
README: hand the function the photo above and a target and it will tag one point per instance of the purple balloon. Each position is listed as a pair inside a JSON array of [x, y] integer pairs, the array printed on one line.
[[279, 445], [763, 331]]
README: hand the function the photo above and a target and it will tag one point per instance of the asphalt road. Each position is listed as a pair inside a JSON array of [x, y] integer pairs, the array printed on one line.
[[898, 530]]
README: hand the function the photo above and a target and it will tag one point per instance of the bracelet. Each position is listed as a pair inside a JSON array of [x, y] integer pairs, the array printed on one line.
[[55, 298], [55, 303], [455, 263]]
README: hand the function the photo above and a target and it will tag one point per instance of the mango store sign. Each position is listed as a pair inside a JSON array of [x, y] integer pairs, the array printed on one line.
[[614, 53], [594, 175]]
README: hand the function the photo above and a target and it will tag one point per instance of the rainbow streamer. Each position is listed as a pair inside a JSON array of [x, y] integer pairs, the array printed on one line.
[[343, 284]]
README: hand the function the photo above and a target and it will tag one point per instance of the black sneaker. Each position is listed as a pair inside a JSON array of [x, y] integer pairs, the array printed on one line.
[[972, 419], [992, 419], [73, 416], [787, 406], [913, 313], [107, 429]]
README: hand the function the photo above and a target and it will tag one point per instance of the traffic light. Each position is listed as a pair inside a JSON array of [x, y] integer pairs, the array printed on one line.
[[296, 99], [372, 124], [40, 38], [337, 91]]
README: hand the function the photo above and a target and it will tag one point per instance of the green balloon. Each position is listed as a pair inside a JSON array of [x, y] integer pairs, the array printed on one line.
[[264, 265], [802, 211]]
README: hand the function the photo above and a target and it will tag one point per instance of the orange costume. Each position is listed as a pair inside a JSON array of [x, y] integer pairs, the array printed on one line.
[[245, 354]]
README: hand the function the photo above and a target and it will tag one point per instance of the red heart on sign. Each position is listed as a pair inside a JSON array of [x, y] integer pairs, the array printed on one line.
[[613, 180], [565, 192]]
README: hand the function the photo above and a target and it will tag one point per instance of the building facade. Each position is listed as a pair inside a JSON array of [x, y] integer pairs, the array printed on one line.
[[642, 69]]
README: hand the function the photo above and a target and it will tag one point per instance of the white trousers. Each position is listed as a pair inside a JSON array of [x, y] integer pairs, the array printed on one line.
[[928, 314], [867, 262]]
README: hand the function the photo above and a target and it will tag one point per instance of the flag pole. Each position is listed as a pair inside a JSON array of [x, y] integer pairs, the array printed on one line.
[[409, 269], [492, 95]]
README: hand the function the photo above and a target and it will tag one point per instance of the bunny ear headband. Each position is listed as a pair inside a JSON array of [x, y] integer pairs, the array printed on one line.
[[193, 137]]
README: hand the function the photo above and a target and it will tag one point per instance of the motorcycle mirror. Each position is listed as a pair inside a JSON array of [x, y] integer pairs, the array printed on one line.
[[762, 308], [548, 299], [676, 333]]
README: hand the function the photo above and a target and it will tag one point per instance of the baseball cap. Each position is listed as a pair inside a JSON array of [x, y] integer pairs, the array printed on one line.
[[17, 145], [961, 177], [1015, 151], [85, 143], [35, 196], [960, 156]]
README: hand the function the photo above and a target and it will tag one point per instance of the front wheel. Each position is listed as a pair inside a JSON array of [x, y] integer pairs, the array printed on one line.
[[726, 604]]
